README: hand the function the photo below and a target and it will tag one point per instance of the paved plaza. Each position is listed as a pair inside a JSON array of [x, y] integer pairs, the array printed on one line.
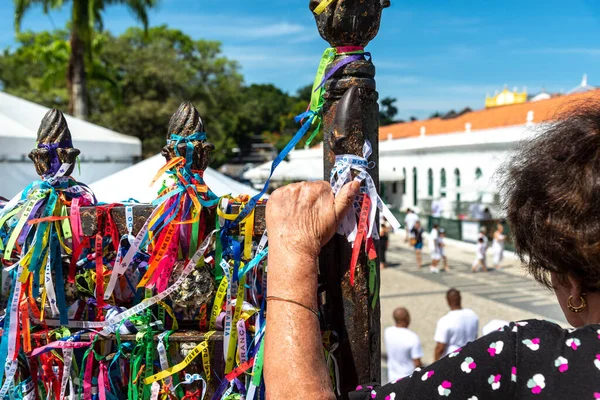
[[508, 294]]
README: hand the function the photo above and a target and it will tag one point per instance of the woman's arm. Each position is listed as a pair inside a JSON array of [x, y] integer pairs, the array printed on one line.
[[300, 218]]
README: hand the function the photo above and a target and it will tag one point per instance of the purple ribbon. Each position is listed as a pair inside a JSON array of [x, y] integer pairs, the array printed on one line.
[[343, 62], [52, 147], [27, 228]]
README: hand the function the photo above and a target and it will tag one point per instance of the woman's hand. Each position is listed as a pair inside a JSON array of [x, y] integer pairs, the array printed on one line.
[[302, 217]]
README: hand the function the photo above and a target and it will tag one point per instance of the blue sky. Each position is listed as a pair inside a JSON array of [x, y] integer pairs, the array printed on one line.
[[430, 54]]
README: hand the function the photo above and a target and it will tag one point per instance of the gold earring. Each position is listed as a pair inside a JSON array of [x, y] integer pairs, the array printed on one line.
[[577, 309]]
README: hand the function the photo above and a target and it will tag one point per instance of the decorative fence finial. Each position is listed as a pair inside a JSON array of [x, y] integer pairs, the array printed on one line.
[[54, 145], [186, 127], [349, 22]]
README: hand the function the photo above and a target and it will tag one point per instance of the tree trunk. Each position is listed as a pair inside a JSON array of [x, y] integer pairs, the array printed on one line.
[[76, 78]]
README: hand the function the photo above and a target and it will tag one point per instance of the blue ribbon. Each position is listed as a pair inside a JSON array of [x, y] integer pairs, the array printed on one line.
[[58, 270], [257, 259], [310, 115], [189, 146], [5, 336], [38, 252]]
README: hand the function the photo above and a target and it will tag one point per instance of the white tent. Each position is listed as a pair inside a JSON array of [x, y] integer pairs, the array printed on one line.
[[103, 151], [307, 165], [134, 182], [303, 165]]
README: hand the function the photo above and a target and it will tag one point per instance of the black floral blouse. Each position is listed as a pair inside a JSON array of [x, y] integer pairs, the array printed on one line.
[[525, 360]]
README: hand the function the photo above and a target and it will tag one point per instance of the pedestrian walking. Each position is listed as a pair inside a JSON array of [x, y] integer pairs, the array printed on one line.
[[416, 237], [434, 249], [498, 246], [455, 329], [384, 241], [479, 262], [483, 235], [403, 347], [442, 247], [409, 222]]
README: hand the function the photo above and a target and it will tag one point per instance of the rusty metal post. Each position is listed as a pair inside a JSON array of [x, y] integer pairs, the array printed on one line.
[[350, 116]]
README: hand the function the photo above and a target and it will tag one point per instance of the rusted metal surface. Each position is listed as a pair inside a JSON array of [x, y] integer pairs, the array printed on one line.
[[140, 215], [177, 337], [350, 116], [54, 145]]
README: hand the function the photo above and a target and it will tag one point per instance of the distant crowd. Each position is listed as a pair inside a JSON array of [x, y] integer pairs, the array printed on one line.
[[439, 260]]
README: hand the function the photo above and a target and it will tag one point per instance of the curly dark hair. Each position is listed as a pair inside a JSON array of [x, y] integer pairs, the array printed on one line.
[[552, 198]]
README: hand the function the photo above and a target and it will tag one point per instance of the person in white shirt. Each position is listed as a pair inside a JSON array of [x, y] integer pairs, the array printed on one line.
[[442, 248], [409, 222], [498, 246], [480, 261], [434, 249], [476, 211], [483, 235], [437, 208], [403, 347], [455, 329]]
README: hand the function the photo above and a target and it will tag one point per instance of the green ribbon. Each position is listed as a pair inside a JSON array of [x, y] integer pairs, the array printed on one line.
[[373, 290], [149, 344], [218, 252], [318, 90], [258, 364], [316, 98]]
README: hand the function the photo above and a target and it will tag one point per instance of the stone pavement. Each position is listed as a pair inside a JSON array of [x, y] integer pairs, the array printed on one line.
[[507, 294]]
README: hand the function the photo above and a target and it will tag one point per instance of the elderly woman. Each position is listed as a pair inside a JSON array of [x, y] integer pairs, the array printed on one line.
[[553, 206]]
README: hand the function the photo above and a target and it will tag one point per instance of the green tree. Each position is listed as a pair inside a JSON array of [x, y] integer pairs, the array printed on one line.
[[86, 16], [129, 90], [387, 111], [132, 93], [35, 69], [149, 91]]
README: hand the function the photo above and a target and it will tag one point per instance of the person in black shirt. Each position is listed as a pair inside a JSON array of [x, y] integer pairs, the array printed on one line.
[[416, 237]]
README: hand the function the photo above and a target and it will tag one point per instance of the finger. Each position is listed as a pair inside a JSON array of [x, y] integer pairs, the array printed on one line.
[[343, 201]]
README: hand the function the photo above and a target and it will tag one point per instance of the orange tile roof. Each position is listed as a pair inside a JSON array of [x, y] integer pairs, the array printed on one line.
[[543, 111]]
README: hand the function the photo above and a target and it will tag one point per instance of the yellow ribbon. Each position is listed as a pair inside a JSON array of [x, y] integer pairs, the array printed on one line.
[[322, 6], [169, 311], [239, 301], [221, 292], [178, 367], [248, 233]]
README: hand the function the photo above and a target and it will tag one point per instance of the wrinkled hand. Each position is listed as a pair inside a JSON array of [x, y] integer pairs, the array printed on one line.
[[302, 217]]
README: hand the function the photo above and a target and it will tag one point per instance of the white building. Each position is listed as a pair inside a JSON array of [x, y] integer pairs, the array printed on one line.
[[452, 162]]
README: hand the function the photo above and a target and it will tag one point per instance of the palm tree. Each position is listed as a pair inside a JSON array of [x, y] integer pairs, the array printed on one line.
[[86, 16]]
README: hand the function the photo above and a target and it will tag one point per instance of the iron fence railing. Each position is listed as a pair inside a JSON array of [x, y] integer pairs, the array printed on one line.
[[462, 229]]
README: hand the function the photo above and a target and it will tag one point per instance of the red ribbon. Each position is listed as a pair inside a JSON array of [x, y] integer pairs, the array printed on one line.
[[240, 369], [348, 49], [361, 235]]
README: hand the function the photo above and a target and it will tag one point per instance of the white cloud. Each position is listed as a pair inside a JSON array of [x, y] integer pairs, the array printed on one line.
[[264, 31], [269, 57], [240, 27]]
